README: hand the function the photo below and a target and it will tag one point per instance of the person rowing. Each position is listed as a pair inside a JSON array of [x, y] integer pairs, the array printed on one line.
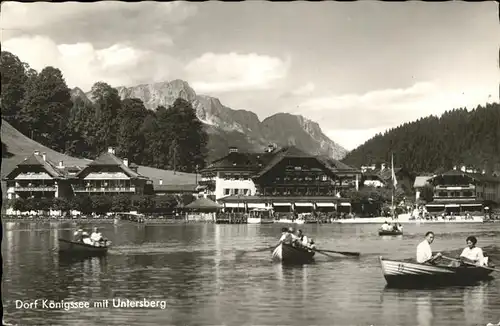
[[78, 235], [424, 251], [287, 236]]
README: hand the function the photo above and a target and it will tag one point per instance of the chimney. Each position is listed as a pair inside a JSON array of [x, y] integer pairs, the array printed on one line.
[[382, 167], [61, 165], [37, 152], [125, 161], [233, 149], [160, 182], [111, 150], [44, 155]]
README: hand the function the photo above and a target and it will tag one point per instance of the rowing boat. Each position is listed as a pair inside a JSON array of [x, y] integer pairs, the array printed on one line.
[[391, 232], [404, 274], [80, 248], [289, 254]]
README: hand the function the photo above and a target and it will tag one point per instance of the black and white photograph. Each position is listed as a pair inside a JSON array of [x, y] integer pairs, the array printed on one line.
[[251, 163]]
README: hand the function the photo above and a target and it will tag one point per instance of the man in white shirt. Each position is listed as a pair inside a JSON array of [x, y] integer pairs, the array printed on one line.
[[424, 251], [471, 253]]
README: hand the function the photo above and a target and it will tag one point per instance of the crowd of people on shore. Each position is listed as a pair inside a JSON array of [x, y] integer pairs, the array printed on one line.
[[296, 239], [94, 239], [470, 254]]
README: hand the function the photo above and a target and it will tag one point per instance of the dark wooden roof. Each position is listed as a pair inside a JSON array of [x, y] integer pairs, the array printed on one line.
[[109, 159], [37, 160], [174, 188]]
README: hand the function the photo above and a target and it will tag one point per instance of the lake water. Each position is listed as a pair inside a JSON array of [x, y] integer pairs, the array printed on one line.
[[199, 272]]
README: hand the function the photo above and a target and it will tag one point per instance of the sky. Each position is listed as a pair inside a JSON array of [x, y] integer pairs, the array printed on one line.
[[356, 68]]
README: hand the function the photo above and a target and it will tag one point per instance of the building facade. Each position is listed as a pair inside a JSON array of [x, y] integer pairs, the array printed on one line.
[[108, 174], [285, 180], [459, 191], [36, 176]]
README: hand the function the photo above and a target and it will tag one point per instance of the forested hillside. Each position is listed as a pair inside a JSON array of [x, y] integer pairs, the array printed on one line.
[[458, 137], [40, 105]]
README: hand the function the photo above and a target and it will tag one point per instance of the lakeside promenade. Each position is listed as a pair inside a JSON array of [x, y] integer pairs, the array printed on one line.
[[402, 218]]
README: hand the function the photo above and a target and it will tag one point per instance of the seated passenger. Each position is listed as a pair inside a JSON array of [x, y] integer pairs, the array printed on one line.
[[472, 254], [303, 238], [86, 239], [96, 237]]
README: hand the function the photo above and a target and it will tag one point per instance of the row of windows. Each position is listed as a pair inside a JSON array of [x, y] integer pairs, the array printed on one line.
[[455, 194], [236, 191]]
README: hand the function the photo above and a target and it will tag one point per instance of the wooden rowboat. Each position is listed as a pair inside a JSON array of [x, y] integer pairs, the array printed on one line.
[[404, 274], [289, 254], [392, 232], [80, 248]]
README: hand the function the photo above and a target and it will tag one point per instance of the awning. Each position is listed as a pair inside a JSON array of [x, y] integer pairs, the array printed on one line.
[[472, 205], [325, 204], [236, 205], [282, 204], [107, 176], [345, 204], [451, 205], [303, 204], [434, 205], [256, 205]]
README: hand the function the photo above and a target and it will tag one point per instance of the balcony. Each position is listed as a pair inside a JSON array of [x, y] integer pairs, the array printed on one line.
[[455, 187], [102, 189], [35, 188]]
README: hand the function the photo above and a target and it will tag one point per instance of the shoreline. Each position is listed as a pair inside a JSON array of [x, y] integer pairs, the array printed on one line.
[[365, 220]]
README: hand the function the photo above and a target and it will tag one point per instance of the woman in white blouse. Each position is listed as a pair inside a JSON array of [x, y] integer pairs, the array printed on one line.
[[471, 253]]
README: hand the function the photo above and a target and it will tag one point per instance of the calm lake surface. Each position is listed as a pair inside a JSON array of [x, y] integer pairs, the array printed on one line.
[[199, 271]]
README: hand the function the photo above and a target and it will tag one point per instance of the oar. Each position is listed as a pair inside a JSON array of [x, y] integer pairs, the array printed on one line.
[[471, 264], [345, 253], [324, 253], [242, 252]]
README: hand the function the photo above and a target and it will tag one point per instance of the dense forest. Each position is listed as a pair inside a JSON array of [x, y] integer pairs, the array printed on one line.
[[40, 105], [431, 144]]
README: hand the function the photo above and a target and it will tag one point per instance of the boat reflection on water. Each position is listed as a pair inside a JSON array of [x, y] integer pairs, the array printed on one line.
[[459, 305], [293, 274]]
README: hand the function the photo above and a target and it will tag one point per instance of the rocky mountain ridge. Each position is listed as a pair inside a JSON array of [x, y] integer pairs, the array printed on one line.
[[228, 127]]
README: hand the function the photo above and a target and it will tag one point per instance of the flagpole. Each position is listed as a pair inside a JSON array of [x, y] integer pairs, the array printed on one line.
[[392, 177]]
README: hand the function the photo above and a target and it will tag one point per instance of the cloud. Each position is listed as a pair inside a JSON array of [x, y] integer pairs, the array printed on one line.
[[101, 23], [82, 64], [232, 72], [352, 119], [306, 89]]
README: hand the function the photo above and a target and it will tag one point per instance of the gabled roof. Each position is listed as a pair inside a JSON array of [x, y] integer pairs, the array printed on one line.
[[37, 160], [336, 165], [203, 203], [421, 181], [239, 161], [289, 151], [109, 159]]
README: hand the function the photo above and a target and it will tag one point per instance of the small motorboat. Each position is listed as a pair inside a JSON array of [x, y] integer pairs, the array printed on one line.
[[81, 249], [289, 254], [406, 274], [390, 232]]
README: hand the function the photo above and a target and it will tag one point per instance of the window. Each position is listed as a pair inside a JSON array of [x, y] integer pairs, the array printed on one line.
[[226, 192], [324, 178]]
